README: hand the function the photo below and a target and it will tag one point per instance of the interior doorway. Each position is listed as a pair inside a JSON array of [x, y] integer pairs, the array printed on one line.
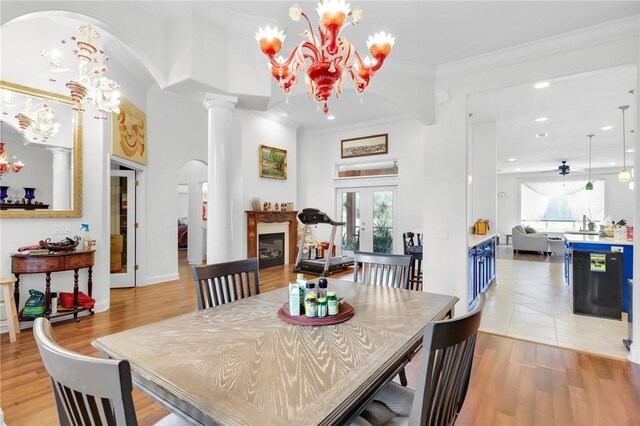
[[370, 217], [123, 227]]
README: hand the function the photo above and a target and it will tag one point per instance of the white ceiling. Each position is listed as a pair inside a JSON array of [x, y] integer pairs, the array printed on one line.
[[575, 107], [428, 32]]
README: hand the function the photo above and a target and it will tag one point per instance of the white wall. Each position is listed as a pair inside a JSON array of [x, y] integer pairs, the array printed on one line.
[[177, 134], [447, 157], [320, 152], [483, 185], [250, 130]]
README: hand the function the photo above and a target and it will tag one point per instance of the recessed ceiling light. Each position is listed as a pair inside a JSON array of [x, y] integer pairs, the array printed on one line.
[[612, 163], [285, 113], [542, 135], [331, 117], [630, 150], [542, 85], [517, 170], [512, 160], [606, 128], [539, 119]]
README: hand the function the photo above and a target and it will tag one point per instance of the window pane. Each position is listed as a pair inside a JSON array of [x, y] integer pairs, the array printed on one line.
[[383, 221], [351, 215]]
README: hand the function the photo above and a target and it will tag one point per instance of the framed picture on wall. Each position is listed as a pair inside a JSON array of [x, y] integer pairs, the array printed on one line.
[[367, 145], [273, 162]]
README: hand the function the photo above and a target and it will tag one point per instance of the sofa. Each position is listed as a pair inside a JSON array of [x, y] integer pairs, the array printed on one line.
[[529, 241]]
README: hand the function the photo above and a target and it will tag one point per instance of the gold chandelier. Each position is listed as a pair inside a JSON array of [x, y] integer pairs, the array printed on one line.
[[329, 55]]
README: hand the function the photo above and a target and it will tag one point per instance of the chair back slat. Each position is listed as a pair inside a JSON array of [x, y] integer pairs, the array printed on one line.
[[387, 270], [225, 282], [444, 374], [87, 390]]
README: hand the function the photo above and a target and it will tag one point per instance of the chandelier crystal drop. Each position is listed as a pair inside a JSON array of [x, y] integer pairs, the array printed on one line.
[[624, 175], [327, 56], [91, 85]]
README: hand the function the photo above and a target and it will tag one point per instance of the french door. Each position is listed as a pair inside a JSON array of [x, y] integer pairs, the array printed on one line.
[[369, 214], [123, 231]]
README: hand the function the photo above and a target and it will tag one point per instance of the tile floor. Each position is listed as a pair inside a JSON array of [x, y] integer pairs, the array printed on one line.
[[531, 302]]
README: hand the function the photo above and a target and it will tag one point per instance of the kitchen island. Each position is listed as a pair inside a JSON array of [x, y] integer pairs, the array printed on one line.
[[595, 243]]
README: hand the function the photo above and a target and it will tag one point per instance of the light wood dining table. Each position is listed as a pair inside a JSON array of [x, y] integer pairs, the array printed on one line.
[[239, 363]]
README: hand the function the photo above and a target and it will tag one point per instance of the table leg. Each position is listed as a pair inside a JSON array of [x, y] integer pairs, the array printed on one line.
[[47, 295], [16, 291], [75, 295], [90, 285]]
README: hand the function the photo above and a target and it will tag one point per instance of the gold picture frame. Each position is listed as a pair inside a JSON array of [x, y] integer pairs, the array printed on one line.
[[75, 209], [272, 162], [365, 146]]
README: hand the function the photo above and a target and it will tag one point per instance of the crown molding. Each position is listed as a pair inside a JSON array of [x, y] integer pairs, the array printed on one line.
[[607, 32]]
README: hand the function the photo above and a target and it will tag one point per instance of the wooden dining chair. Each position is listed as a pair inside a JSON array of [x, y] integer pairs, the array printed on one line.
[[442, 382], [225, 282], [407, 240], [88, 390], [388, 270]]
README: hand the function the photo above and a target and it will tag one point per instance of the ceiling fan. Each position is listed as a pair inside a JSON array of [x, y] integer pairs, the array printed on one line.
[[564, 169]]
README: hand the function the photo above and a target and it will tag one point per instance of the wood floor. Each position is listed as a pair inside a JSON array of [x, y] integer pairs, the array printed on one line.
[[513, 382]]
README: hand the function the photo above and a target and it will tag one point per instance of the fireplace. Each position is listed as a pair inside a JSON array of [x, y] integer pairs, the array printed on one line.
[[270, 249]]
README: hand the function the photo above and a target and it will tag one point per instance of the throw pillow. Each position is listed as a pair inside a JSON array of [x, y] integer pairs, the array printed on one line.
[[530, 230]]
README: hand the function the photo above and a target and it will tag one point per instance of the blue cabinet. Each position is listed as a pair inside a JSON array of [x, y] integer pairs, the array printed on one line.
[[482, 268]]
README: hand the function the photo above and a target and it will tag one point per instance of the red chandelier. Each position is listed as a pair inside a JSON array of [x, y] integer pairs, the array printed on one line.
[[329, 55], [5, 165]]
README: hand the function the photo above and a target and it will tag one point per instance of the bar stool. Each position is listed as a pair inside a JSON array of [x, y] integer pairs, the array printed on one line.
[[10, 306]]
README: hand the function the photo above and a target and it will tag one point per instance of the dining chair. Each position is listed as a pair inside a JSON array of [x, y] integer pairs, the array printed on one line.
[[225, 282], [89, 390], [443, 379], [388, 270], [407, 240]]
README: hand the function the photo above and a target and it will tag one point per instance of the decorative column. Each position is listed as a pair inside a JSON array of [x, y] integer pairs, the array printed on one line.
[[61, 199], [219, 221]]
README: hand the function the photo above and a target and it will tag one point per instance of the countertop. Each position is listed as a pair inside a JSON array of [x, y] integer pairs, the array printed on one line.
[[595, 239], [475, 239]]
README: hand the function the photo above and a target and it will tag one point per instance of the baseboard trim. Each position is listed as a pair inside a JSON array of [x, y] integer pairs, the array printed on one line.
[[162, 278]]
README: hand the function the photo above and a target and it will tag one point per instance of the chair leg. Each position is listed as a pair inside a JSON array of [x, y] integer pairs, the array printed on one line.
[[403, 377]]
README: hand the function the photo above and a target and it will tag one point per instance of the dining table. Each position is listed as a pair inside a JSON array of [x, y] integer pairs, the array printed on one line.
[[239, 363]]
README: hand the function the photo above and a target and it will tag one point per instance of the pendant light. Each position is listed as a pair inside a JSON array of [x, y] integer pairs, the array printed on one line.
[[624, 175], [589, 186]]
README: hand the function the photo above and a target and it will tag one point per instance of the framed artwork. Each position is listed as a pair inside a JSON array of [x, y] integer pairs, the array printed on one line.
[[368, 145], [129, 133], [273, 162]]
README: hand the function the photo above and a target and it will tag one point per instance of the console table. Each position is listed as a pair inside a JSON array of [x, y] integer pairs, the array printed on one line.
[[48, 263]]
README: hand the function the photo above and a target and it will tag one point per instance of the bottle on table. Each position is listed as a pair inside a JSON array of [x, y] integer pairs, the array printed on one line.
[[311, 305], [322, 307], [322, 288], [332, 303]]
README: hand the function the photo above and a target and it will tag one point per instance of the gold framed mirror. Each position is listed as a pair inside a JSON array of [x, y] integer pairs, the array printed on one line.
[[41, 170]]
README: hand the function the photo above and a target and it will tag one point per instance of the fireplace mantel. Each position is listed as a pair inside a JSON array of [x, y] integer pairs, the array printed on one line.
[[255, 217]]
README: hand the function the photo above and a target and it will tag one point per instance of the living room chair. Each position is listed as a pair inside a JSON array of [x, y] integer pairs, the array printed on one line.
[[388, 270], [88, 390], [442, 382], [225, 282]]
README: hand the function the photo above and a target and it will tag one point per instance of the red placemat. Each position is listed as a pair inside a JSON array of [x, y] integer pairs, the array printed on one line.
[[345, 311]]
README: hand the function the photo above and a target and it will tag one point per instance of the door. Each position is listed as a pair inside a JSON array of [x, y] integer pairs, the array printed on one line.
[[123, 231], [369, 214]]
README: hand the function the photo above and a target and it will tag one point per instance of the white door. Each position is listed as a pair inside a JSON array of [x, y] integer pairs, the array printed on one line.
[[123, 232], [369, 214]]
